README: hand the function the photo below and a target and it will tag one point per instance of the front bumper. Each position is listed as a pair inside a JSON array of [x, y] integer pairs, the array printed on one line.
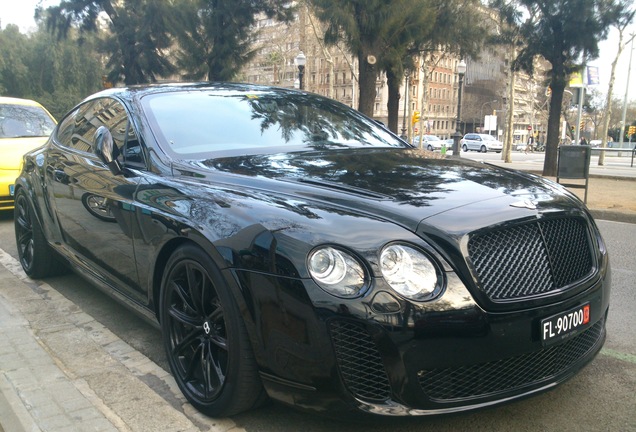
[[422, 362], [7, 181]]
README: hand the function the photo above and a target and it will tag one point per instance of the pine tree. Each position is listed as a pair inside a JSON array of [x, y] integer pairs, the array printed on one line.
[[216, 36], [565, 33]]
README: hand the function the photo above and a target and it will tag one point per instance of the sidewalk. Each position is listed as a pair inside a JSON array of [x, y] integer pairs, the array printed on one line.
[[611, 193], [60, 370]]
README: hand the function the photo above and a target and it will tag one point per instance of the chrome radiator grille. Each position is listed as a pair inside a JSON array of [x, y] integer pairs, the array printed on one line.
[[531, 259]]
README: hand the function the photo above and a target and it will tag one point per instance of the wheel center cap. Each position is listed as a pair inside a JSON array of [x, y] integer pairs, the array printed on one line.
[[206, 328]]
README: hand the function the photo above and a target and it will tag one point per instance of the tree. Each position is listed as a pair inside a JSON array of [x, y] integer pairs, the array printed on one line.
[[509, 37], [623, 19], [56, 73], [138, 39], [566, 34], [216, 36], [385, 35], [14, 73]]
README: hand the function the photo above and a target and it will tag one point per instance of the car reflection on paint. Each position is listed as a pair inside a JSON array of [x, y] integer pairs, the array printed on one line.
[[289, 247]]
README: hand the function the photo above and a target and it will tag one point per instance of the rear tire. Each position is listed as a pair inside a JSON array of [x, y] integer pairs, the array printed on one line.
[[205, 338], [464, 148], [36, 256]]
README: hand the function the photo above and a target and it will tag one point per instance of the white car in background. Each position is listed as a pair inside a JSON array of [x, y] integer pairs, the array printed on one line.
[[429, 142], [481, 143]]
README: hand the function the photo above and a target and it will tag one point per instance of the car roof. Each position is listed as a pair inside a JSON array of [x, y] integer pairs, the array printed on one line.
[[138, 91], [4, 100]]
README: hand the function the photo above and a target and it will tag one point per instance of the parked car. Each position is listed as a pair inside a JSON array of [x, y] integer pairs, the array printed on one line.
[[481, 143], [289, 246], [24, 125], [429, 142]]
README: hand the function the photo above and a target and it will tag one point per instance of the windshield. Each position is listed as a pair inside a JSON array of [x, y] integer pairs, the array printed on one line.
[[210, 123], [488, 138], [21, 121]]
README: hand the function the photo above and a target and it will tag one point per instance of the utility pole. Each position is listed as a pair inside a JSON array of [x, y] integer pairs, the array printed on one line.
[[629, 72]]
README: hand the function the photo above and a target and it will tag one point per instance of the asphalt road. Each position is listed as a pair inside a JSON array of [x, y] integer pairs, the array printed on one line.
[[600, 398]]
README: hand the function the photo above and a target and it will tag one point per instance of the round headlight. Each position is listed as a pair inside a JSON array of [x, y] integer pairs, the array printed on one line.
[[408, 271], [337, 272]]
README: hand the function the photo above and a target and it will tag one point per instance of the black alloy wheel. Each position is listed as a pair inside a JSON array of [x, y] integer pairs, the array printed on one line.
[[205, 338], [35, 255]]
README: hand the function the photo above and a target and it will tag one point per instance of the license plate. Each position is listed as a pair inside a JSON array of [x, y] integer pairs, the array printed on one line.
[[565, 324], [11, 190]]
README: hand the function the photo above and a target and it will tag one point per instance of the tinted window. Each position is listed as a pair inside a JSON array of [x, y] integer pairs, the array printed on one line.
[[195, 124], [77, 131]]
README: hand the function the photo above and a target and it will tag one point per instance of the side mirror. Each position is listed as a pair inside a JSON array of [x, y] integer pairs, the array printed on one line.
[[105, 150]]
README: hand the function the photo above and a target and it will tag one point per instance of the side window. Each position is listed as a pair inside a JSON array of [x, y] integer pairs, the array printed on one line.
[[77, 131], [113, 115], [66, 128]]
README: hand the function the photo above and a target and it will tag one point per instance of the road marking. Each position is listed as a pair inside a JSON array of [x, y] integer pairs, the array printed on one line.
[[619, 355]]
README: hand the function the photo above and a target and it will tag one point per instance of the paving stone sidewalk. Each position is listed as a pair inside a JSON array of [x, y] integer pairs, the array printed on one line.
[[60, 370]]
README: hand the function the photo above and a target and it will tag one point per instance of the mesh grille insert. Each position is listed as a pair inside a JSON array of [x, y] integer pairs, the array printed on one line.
[[531, 259], [359, 361], [508, 374]]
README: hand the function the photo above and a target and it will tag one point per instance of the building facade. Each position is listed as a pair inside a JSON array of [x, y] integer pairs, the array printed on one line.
[[431, 90]]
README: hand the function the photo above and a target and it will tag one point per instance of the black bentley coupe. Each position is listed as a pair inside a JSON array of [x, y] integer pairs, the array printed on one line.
[[290, 247]]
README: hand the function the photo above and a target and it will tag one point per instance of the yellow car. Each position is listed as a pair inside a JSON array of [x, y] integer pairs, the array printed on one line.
[[24, 125]]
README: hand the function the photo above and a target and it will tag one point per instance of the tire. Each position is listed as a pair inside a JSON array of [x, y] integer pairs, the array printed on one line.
[[37, 258], [429, 148], [483, 149], [205, 338], [464, 148]]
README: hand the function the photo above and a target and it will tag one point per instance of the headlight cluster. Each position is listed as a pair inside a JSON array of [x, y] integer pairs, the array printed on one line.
[[337, 272], [409, 272]]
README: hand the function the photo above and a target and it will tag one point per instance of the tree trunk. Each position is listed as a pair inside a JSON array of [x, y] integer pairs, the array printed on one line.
[[393, 104], [367, 76], [510, 118], [554, 126], [608, 102]]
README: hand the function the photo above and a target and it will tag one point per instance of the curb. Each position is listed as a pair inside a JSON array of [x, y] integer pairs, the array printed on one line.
[[62, 370], [615, 216]]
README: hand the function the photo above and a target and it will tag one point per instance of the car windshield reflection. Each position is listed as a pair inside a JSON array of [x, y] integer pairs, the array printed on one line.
[[18, 121], [231, 123]]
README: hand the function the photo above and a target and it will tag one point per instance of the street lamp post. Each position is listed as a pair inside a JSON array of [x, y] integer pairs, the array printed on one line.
[[300, 61], [461, 70], [407, 74], [481, 112]]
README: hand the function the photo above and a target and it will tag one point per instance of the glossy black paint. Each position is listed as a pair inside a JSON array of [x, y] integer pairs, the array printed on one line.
[[258, 216]]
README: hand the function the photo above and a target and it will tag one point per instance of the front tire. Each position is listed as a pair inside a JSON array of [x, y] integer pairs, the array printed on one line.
[[36, 256], [205, 338], [483, 149]]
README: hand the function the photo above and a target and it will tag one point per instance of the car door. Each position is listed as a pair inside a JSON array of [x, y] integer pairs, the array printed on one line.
[[94, 207]]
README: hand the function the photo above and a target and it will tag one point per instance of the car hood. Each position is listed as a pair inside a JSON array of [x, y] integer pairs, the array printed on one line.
[[12, 150], [404, 186]]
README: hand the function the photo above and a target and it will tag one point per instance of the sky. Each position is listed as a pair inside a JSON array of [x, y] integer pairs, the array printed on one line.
[[21, 13]]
